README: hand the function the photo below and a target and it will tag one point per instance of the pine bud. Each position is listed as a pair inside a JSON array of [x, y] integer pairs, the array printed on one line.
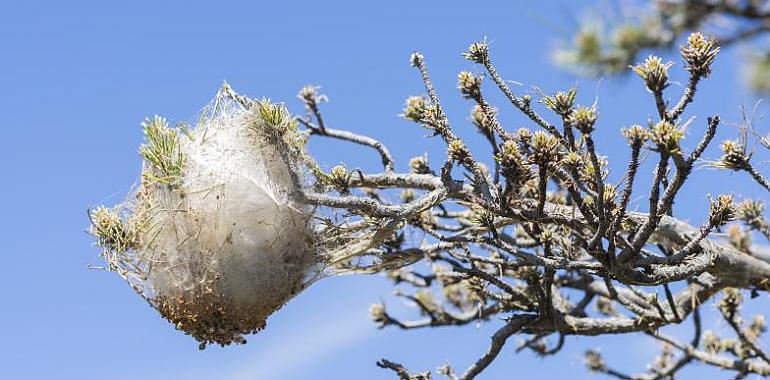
[[751, 212], [666, 136], [722, 210], [478, 52], [731, 301], [407, 195], [433, 117], [594, 361], [712, 343], [610, 193], [605, 306], [757, 326], [734, 156], [109, 228], [480, 119], [415, 107], [573, 159], [457, 150], [636, 135], [469, 85], [630, 37], [310, 96], [545, 148], [419, 165], [427, 301], [511, 162], [561, 102], [416, 59], [654, 73], [699, 53], [588, 44], [340, 178], [377, 313], [524, 135], [739, 238], [583, 119]]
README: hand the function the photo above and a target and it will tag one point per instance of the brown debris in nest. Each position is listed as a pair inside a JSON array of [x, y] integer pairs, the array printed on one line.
[[211, 317]]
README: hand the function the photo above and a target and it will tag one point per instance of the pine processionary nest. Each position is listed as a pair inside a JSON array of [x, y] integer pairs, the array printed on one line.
[[214, 238]]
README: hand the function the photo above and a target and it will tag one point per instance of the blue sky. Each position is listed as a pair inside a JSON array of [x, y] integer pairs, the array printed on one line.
[[78, 77]]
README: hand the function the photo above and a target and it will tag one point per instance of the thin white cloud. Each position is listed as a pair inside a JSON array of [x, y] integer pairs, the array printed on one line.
[[308, 344]]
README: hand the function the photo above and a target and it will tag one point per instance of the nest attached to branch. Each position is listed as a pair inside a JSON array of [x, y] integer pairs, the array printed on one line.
[[215, 238]]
